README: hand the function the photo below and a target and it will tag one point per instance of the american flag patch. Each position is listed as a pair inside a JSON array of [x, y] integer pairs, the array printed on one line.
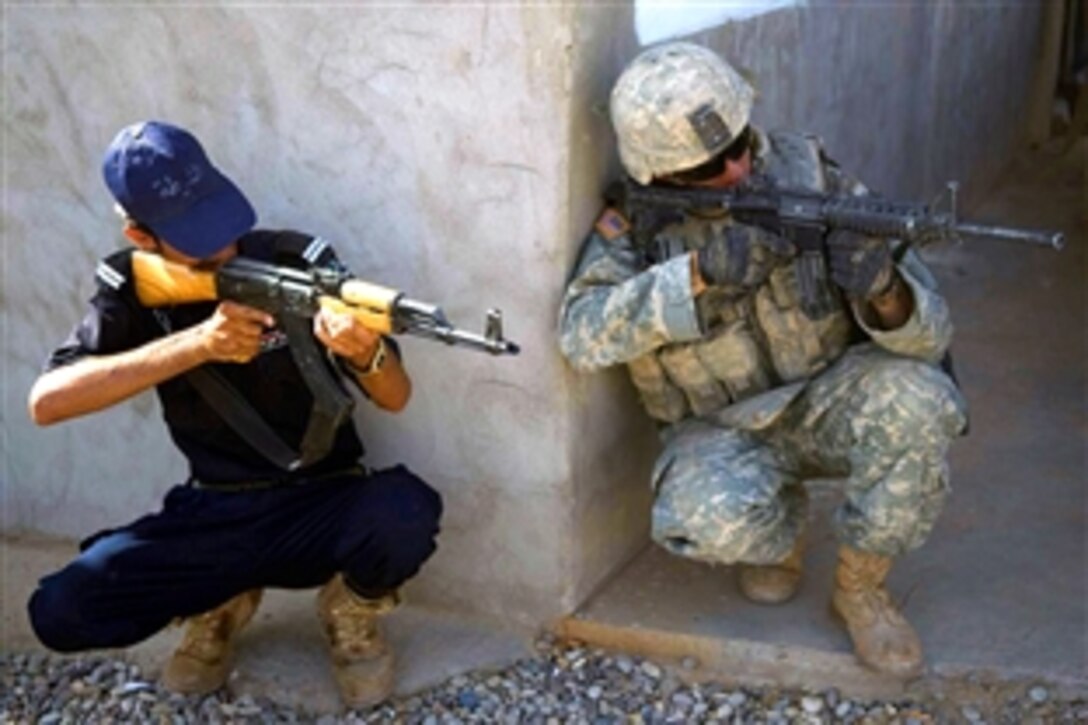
[[611, 224]]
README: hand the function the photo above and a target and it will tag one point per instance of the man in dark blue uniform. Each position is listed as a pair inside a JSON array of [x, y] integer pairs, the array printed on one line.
[[243, 521]]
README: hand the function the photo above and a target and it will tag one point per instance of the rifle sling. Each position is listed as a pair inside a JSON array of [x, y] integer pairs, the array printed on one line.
[[240, 415], [332, 405]]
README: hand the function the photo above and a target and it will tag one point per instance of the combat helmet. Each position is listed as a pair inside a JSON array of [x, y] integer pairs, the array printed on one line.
[[676, 106]]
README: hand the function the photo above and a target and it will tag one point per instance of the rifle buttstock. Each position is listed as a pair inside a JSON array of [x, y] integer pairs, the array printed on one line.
[[159, 282]]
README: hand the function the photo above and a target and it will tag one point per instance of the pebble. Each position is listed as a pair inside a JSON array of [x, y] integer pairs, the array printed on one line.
[[555, 687], [468, 700], [130, 687], [651, 670], [971, 713], [683, 700]]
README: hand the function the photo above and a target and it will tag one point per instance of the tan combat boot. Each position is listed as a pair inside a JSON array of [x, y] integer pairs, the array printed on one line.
[[773, 583], [362, 661], [883, 639], [204, 658]]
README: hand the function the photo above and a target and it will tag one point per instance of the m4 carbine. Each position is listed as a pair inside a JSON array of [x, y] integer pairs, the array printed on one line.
[[806, 218]]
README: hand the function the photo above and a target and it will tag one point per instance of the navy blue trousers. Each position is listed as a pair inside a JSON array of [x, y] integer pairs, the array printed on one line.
[[207, 546]]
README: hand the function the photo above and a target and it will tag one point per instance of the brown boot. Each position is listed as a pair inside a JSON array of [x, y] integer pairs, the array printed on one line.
[[773, 583], [204, 658], [883, 639], [361, 659]]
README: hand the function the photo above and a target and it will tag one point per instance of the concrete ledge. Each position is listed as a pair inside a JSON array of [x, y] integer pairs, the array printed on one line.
[[702, 658]]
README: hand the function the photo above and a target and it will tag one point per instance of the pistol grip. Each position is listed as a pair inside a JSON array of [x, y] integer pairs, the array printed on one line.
[[818, 299]]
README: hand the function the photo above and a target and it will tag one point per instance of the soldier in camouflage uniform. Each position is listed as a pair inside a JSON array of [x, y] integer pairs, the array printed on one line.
[[753, 391]]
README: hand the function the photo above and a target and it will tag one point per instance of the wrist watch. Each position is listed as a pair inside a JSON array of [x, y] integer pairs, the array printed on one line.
[[376, 361]]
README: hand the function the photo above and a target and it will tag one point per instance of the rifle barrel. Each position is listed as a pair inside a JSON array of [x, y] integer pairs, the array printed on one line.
[[1054, 240], [455, 336]]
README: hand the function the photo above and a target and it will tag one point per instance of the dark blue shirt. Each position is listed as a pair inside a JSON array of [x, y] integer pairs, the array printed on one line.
[[271, 382]]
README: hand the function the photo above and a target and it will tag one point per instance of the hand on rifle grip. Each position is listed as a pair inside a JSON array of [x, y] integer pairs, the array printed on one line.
[[861, 266], [233, 332]]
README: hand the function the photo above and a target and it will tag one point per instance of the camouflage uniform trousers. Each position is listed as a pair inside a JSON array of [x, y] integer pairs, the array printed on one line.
[[880, 422]]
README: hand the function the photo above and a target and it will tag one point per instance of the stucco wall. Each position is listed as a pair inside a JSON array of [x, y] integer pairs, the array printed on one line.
[[414, 139], [456, 152]]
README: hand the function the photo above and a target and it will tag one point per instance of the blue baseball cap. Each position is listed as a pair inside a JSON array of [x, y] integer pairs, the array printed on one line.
[[162, 178]]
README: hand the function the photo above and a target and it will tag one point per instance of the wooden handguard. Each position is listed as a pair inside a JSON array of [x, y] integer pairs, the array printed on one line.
[[371, 304], [159, 282]]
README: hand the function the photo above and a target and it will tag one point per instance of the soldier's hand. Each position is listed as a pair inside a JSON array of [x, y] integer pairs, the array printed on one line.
[[233, 332], [346, 336], [861, 266], [742, 256]]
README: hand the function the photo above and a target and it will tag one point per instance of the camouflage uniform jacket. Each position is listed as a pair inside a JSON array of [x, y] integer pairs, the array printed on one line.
[[734, 357]]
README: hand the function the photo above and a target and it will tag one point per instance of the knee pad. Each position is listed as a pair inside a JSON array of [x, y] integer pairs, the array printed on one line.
[[726, 530]]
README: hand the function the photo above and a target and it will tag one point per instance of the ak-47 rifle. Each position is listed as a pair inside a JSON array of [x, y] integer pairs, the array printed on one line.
[[294, 296], [806, 218], [285, 291]]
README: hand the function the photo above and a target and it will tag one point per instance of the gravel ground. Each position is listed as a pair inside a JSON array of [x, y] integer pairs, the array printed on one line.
[[561, 684]]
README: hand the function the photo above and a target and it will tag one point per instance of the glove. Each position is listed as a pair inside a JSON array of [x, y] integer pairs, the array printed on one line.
[[861, 266], [742, 256]]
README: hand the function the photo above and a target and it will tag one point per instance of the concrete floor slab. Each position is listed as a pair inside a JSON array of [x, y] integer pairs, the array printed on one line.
[[1001, 586], [281, 655]]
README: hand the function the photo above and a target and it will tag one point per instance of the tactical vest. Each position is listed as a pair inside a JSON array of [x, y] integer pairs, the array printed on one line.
[[755, 343]]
